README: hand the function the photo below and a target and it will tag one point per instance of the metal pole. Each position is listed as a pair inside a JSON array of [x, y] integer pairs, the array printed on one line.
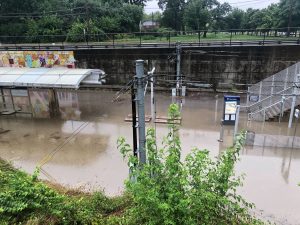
[[113, 37], [272, 90], [260, 89], [178, 69], [134, 134], [140, 38], [236, 125], [292, 111], [248, 95], [141, 110], [295, 132], [221, 131], [153, 116]]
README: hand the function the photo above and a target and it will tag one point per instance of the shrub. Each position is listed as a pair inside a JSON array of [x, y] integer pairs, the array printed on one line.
[[198, 190]]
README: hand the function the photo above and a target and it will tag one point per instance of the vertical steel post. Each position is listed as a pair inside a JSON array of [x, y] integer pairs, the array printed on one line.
[[153, 116], [236, 125], [141, 110], [286, 78], [113, 39], [248, 95], [178, 69], [260, 90], [134, 134], [272, 89], [221, 131], [295, 131], [292, 108]]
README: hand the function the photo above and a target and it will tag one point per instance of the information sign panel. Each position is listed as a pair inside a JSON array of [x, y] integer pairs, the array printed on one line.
[[230, 106]]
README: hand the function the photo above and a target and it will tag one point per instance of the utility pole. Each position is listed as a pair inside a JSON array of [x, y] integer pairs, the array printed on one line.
[[178, 69], [141, 110], [153, 109], [134, 134], [290, 17]]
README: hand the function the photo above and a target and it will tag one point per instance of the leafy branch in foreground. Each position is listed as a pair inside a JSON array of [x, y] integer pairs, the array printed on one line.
[[197, 190]]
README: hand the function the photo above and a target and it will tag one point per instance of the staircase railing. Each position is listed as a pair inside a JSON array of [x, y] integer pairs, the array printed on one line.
[[274, 84], [269, 92], [260, 114]]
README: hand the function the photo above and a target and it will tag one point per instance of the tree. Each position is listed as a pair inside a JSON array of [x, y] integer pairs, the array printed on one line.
[[136, 2], [219, 14], [289, 15], [235, 19], [201, 14], [46, 26], [173, 13]]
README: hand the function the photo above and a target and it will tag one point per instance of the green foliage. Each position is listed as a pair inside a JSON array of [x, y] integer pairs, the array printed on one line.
[[86, 31], [26, 200], [197, 190]]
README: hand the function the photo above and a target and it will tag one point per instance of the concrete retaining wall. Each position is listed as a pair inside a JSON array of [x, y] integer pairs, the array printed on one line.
[[223, 67]]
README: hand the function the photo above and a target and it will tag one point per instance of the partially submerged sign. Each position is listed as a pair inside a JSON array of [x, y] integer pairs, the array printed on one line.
[[230, 106]]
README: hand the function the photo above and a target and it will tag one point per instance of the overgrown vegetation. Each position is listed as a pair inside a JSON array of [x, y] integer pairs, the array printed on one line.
[[198, 190], [165, 190], [26, 200], [99, 20]]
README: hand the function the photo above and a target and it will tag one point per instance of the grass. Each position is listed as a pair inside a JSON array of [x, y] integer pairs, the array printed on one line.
[[26, 200], [131, 38]]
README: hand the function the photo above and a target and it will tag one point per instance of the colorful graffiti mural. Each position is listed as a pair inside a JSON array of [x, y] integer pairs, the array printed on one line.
[[36, 59]]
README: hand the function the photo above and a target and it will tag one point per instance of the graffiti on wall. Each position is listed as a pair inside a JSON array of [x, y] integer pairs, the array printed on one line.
[[37, 59]]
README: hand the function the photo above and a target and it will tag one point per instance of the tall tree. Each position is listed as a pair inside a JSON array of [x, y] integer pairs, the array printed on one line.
[[289, 14], [173, 13], [235, 19], [203, 14]]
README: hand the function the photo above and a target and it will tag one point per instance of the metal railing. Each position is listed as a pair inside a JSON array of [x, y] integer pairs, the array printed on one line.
[[166, 38], [271, 92]]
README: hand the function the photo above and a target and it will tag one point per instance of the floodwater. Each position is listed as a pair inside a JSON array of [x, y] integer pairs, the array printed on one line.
[[80, 150]]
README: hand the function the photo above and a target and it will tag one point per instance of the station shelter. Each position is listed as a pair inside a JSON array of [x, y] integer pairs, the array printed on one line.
[[43, 92]]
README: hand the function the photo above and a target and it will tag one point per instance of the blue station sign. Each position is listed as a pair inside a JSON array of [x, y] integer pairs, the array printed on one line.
[[230, 106]]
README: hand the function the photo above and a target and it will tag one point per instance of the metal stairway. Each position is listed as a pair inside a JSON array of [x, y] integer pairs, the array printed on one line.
[[274, 95]]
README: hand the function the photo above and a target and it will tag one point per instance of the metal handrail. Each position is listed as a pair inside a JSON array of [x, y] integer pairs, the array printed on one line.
[[270, 106], [268, 98]]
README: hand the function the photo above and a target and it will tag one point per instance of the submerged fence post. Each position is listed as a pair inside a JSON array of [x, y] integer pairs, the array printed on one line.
[[221, 131], [141, 110], [236, 125]]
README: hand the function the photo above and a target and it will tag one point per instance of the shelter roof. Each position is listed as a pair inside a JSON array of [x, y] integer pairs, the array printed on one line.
[[48, 77]]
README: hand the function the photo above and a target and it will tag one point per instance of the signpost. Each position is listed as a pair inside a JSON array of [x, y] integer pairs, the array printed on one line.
[[296, 114], [231, 104]]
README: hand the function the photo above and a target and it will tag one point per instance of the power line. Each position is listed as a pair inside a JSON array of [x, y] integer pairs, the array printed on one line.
[[31, 16], [41, 13]]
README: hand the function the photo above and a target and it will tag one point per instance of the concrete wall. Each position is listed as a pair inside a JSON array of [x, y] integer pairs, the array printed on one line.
[[221, 66]]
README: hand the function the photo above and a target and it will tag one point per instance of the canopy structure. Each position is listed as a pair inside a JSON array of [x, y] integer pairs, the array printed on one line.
[[49, 77]]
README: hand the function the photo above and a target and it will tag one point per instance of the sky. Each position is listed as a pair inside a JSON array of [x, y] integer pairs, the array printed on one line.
[[242, 4]]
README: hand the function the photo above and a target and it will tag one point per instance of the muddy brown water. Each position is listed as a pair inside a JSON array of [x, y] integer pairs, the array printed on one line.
[[81, 151]]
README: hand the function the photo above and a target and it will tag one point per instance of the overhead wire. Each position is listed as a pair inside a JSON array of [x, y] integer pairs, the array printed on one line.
[[48, 157]]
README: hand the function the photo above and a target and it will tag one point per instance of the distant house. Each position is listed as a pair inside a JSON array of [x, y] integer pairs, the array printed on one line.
[[150, 25]]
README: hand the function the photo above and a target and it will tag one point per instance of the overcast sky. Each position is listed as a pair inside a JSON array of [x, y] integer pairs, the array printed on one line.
[[242, 4]]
